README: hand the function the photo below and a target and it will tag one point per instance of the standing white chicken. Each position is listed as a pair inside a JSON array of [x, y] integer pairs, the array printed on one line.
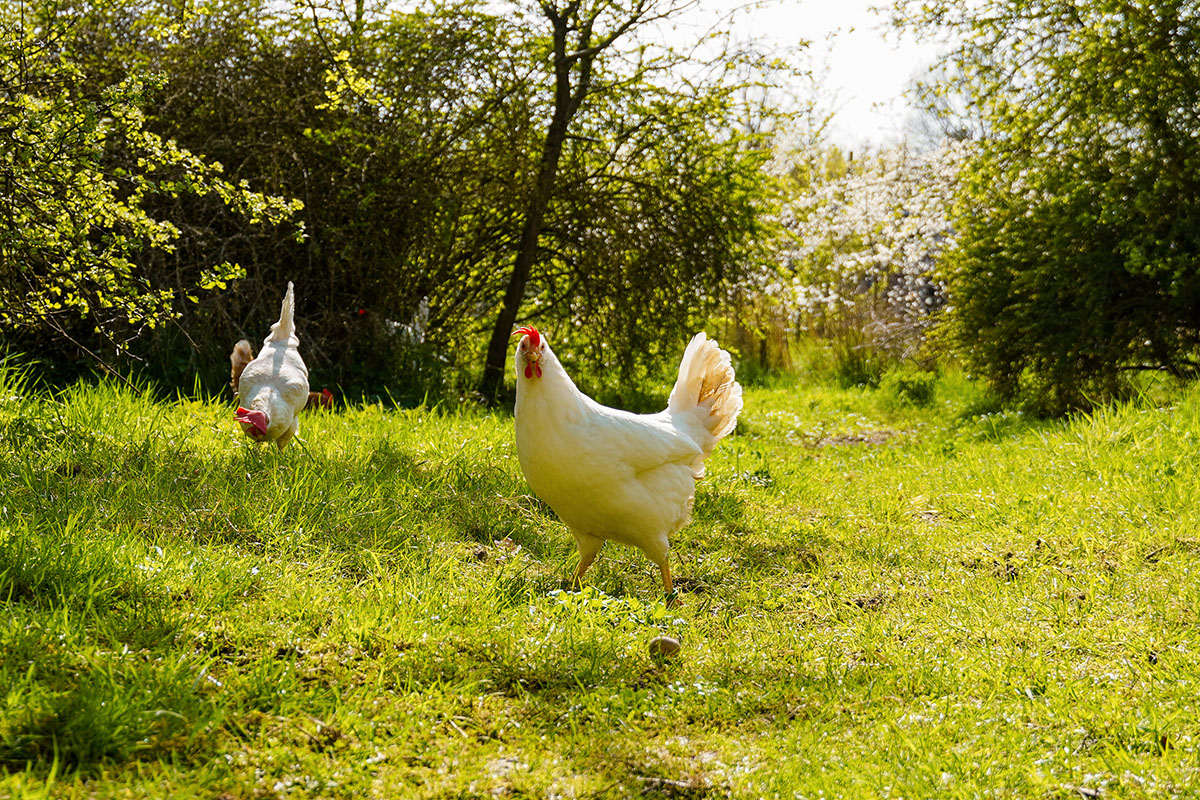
[[273, 388], [610, 474]]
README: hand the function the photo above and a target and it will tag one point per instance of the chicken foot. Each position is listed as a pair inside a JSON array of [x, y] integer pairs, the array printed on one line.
[[668, 587], [584, 563], [589, 546]]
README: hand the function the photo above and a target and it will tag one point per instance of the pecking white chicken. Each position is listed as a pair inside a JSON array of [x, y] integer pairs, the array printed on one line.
[[611, 474], [272, 388]]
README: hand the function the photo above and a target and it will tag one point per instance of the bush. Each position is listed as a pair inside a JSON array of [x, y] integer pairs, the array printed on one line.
[[855, 361], [1078, 220], [910, 386]]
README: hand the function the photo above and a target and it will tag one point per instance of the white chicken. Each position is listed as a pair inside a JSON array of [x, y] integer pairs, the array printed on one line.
[[272, 388], [611, 474]]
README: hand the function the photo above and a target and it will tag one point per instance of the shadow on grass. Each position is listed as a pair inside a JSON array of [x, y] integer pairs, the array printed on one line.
[[86, 582], [87, 670], [110, 715], [714, 504]]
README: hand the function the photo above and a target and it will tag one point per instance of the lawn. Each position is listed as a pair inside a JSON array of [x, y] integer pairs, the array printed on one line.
[[877, 600]]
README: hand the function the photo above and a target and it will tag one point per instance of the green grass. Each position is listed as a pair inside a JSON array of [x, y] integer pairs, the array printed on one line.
[[879, 600]]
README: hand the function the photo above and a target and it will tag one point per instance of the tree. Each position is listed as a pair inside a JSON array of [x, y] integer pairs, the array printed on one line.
[[635, 257], [415, 139], [406, 172], [864, 241], [78, 170], [580, 31], [1079, 217]]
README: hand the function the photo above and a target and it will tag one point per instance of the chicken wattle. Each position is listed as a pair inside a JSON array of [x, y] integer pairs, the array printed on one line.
[[612, 474]]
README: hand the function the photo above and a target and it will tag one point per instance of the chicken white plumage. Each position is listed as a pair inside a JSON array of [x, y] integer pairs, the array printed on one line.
[[611, 474], [272, 388]]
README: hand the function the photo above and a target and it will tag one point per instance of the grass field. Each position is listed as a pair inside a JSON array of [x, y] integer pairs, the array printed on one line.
[[877, 601]]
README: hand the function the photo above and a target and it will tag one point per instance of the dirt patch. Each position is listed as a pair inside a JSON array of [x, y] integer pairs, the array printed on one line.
[[874, 438]]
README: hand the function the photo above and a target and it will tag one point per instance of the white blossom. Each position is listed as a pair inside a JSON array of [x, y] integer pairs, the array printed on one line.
[[862, 247]]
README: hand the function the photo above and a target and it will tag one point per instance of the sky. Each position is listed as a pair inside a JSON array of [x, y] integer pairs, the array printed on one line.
[[866, 65]]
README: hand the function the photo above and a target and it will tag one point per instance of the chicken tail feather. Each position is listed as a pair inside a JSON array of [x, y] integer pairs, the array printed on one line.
[[706, 382], [285, 328], [238, 359]]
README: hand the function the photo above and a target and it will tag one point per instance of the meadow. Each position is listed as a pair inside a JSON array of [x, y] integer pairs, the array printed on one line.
[[877, 600]]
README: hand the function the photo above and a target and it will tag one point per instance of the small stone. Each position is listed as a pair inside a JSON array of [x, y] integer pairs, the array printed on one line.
[[663, 646]]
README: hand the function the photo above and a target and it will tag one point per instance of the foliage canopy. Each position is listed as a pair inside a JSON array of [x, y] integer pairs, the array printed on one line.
[[80, 169], [412, 139], [1079, 219]]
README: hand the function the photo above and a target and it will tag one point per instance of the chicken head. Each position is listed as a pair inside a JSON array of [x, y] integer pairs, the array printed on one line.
[[254, 423], [529, 351]]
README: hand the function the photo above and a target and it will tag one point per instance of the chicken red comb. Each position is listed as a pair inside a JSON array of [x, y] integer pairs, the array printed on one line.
[[535, 338]]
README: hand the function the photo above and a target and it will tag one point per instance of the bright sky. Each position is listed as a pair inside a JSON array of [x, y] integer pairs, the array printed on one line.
[[868, 66]]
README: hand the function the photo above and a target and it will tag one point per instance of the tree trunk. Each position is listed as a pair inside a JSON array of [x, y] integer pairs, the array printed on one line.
[[566, 103]]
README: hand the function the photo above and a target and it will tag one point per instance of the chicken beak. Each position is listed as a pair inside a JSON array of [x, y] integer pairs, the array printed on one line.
[[532, 367], [532, 363], [246, 417]]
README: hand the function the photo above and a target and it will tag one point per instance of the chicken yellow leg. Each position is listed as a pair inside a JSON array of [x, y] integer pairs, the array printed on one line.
[[668, 587], [584, 563], [589, 546]]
